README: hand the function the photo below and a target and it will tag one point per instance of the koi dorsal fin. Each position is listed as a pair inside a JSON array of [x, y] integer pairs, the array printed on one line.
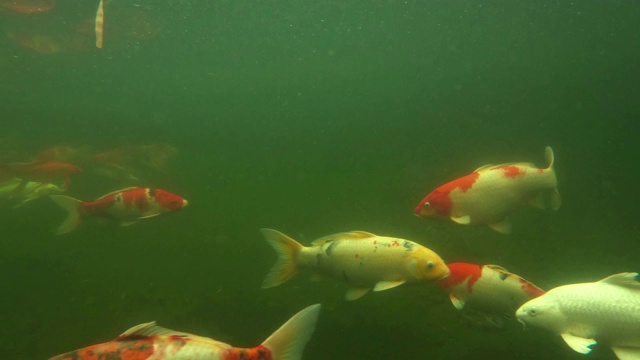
[[349, 235], [115, 192], [497, 268], [149, 329], [627, 280]]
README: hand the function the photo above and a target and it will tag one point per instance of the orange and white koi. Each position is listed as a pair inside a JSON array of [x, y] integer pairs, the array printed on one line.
[[363, 260], [127, 206], [150, 342], [39, 171], [487, 289], [491, 192]]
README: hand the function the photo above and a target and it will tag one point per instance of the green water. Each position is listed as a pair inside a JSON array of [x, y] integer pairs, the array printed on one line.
[[314, 117]]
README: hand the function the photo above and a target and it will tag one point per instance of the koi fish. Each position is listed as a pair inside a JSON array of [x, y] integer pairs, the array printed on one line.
[[491, 192], [149, 341], [32, 191], [40, 171], [127, 206], [487, 292], [363, 260], [583, 314]]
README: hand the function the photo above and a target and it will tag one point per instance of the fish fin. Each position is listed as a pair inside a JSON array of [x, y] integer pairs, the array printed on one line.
[[503, 226], [115, 192], [349, 235], [384, 285], [356, 293], [577, 343], [626, 279], [457, 302], [556, 200], [484, 167], [288, 342], [537, 201], [128, 223], [464, 220], [497, 268], [287, 250], [626, 352], [548, 155], [21, 185], [148, 216], [149, 329], [74, 216]]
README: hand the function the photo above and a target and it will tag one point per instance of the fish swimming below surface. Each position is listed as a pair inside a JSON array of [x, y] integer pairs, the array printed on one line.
[[39, 171], [487, 293], [363, 260], [151, 342], [127, 206], [491, 192], [606, 311], [31, 191]]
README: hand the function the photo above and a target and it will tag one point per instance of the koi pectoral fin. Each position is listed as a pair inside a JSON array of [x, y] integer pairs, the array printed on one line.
[[384, 285], [503, 226], [464, 220], [579, 344], [356, 293]]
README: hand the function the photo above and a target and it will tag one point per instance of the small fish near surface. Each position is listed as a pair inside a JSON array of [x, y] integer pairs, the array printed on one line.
[[606, 311], [487, 293], [127, 206], [363, 260], [31, 191], [151, 342], [39, 171], [491, 192]]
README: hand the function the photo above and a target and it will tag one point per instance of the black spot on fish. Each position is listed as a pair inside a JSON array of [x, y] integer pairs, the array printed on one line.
[[152, 193], [408, 245], [330, 248], [503, 276]]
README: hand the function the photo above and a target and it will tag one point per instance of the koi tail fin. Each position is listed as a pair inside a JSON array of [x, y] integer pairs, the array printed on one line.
[[73, 207], [288, 342], [556, 201], [287, 250]]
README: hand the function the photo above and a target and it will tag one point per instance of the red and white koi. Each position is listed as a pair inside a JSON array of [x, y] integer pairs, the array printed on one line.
[[488, 289], [491, 192], [363, 260], [151, 342], [127, 206]]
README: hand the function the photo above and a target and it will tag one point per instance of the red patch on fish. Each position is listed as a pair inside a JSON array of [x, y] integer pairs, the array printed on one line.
[[531, 289], [140, 349], [439, 199], [136, 198], [510, 171], [259, 352], [459, 272]]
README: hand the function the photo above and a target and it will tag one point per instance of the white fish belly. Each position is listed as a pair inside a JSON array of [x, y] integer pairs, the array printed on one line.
[[607, 313], [362, 262], [490, 294], [194, 349]]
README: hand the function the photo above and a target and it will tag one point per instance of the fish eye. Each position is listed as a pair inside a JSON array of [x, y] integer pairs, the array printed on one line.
[[429, 265], [532, 312], [426, 205]]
